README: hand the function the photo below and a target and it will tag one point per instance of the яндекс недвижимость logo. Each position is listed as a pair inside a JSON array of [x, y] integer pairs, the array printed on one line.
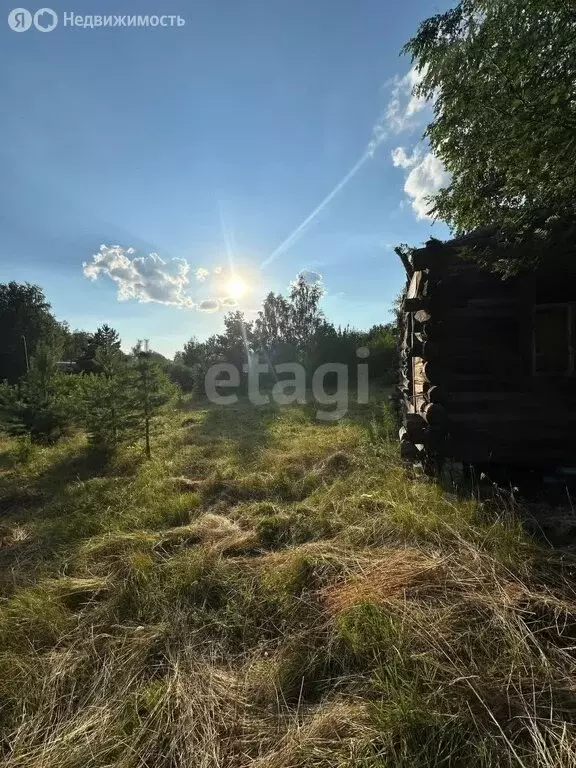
[[45, 20], [21, 19]]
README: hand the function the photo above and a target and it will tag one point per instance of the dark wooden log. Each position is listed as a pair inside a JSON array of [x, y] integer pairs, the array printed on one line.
[[493, 302], [514, 398], [436, 415], [409, 451], [524, 453], [486, 348], [414, 420], [487, 364], [457, 314], [437, 394], [434, 372], [434, 256], [467, 327], [416, 304], [425, 349], [463, 373], [437, 374], [416, 428], [516, 421]]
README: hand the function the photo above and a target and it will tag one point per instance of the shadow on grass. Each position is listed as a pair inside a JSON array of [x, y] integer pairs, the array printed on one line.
[[245, 424], [24, 498]]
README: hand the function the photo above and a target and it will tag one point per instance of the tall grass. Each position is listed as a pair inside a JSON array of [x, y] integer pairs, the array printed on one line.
[[274, 591]]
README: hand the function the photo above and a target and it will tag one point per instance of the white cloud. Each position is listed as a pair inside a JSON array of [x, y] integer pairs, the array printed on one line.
[[151, 278], [402, 109], [201, 274], [144, 278], [209, 305], [405, 104], [426, 177], [217, 270], [401, 159]]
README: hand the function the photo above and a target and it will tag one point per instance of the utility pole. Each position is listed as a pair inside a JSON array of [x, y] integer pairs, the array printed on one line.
[[26, 353]]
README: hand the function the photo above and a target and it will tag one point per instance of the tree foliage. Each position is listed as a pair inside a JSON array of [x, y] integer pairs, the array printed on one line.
[[75, 343], [25, 321], [152, 390], [502, 75], [284, 327], [100, 347], [45, 403], [107, 399]]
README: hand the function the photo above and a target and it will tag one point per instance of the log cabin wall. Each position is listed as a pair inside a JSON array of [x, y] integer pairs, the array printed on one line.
[[474, 387]]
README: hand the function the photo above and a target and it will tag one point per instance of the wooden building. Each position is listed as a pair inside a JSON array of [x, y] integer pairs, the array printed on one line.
[[488, 365]]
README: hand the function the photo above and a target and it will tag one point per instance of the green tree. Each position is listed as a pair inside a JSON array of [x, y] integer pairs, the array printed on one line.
[[152, 389], [502, 77], [272, 326], [182, 375], [45, 403], [103, 344], [306, 317], [235, 343], [107, 398], [25, 320], [192, 354], [75, 344], [284, 327]]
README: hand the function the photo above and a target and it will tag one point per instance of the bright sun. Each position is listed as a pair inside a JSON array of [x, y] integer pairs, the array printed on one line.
[[236, 287]]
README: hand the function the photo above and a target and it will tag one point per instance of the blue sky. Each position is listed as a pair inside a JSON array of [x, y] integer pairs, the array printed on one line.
[[209, 144]]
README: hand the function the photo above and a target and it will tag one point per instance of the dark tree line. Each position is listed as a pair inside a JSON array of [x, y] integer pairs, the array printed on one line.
[[111, 394]]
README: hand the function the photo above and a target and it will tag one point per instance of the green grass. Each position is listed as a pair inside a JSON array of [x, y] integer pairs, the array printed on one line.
[[273, 591]]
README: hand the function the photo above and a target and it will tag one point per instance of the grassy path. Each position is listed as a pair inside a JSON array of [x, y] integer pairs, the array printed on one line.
[[273, 591]]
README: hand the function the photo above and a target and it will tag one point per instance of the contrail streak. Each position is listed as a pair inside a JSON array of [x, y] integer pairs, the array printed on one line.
[[299, 231]]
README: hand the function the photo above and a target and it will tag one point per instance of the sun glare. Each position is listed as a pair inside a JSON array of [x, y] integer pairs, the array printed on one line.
[[236, 287]]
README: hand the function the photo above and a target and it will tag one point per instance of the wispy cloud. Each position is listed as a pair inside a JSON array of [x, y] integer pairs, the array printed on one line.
[[399, 115], [405, 104], [426, 176], [426, 173], [297, 233]]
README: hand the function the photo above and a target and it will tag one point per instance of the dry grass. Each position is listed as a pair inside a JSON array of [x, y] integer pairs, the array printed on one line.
[[274, 591]]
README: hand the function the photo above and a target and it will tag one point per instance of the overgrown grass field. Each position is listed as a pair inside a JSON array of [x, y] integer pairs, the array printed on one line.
[[273, 591]]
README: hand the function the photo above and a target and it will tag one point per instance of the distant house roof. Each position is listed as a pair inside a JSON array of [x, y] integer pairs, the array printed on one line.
[[66, 365]]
